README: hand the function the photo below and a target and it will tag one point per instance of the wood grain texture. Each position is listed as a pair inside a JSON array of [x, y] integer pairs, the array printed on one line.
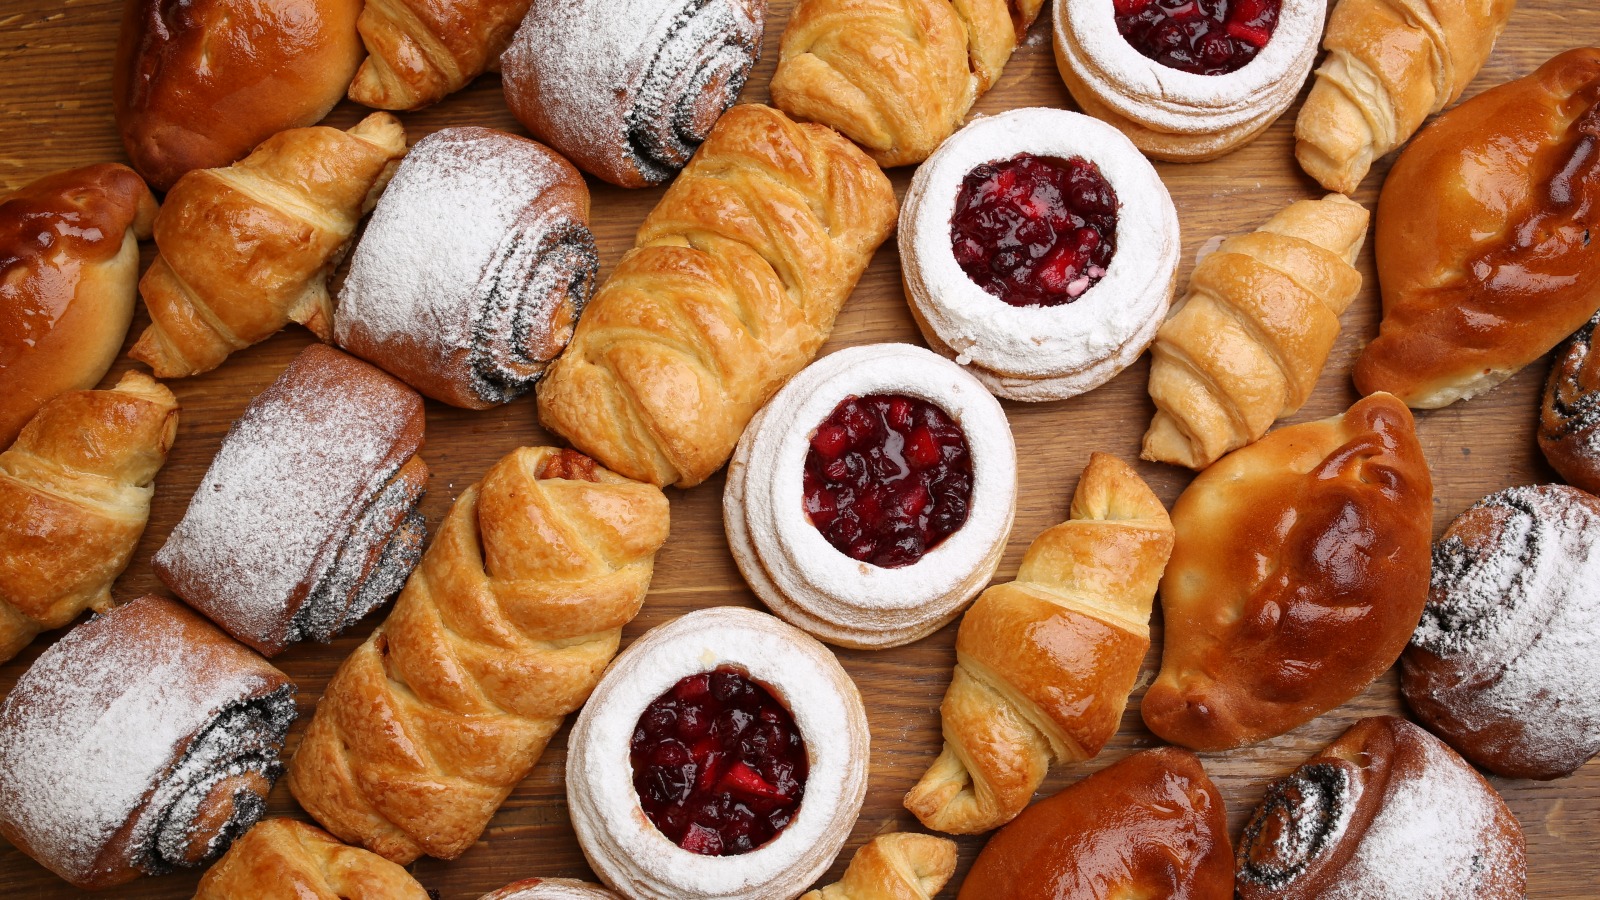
[[55, 112]]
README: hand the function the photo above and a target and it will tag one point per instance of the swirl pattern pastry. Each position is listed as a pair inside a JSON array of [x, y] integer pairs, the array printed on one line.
[[420, 51], [281, 859], [1569, 421], [896, 866]]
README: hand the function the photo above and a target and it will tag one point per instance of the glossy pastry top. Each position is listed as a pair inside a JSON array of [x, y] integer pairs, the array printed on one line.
[[281, 859]]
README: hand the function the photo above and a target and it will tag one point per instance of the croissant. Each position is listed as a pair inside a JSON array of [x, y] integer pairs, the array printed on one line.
[[247, 249], [503, 629], [732, 287], [1247, 344], [281, 859], [1044, 664], [422, 50], [1390, 65], [898, 866]]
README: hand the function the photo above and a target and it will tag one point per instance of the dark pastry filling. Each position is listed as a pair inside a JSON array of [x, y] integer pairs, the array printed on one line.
[[1297, 822], [719, 764], [1035, 230], [888, 477], [1205, 37]]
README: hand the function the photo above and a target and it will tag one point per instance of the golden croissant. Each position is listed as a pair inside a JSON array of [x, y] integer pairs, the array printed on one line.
[[422, 50], [897, 866], [281, 859]]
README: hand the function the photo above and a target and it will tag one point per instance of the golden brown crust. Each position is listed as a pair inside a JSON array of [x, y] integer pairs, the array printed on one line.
[[281, 859], [1569, 420], [422, 50], [897, 866]]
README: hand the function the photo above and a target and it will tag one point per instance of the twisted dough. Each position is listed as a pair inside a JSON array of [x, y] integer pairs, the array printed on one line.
[[503, 629], [422, 50], [1044, 664], [281, 859], [898, 866]]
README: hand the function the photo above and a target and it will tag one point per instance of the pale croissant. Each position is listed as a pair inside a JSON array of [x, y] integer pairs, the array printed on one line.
[[1247, 344], [422, 50], [897, 866], [1044, 664]]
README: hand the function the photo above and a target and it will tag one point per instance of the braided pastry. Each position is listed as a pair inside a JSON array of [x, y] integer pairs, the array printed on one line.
[[281, 859], [419, 51], [898, 866]]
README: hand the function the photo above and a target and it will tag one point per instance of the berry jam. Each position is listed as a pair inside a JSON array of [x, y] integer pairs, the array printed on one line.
[[887, 478], [718, 763], [1035, 230], [1205, 37]]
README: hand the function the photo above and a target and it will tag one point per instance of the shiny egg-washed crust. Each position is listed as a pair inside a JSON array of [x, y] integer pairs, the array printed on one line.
[[1569, 421], [420, 51], [281, 859], [897, 866]]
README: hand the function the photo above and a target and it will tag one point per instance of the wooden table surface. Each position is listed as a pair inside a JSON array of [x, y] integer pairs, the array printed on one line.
[[55, 112]]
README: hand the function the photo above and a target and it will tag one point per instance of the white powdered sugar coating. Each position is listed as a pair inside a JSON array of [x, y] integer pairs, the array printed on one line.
[[551, 889]]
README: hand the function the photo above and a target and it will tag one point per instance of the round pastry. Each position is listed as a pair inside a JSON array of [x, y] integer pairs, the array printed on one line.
[[871, 498], [1501, 666], [1187, 81], [550, 889], [722, 757], [1569, 423], [1040, 251]]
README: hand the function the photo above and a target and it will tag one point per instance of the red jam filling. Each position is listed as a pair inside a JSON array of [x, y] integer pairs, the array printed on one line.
[[1035, 230], [888, 477], [718, 763], [1206, 37]]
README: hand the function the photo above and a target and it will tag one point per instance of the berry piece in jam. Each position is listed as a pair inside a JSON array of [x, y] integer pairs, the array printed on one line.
[[1035, 230], [1205, 37], [718, 763], [887, 478]]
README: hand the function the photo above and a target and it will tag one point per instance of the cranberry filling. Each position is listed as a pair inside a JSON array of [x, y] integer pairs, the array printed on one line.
[[718, 763], [1206, 37], [887, 478], [1035, 230]]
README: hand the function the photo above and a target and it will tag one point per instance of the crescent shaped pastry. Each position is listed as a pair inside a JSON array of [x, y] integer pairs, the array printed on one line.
[[282, 859], [896, 866]]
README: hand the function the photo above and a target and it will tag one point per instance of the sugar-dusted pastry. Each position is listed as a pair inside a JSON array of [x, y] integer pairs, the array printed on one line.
[[69, 261], [307, 519], [1484, 237], [668, 806], [247, 249], [1040, 251], [143, 741], [198, 84], [1498, 665], [731, 288], [474, 269], [871, 499], [281, 859], [1390, 65], [75, 495], [420, 51], [895, 76], [550, 889], [1246, 344], [896, 866], [1300, 570], [1151, 825], [502, 630], [1045, 663], [1185, 82], [1569, 420], [627, 89], [1385, 811]]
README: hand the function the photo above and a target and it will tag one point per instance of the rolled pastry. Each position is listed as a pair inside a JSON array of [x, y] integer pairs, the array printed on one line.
[[142, 741], [307, 518], [281, 859], [550, 889], [420, 51], [474, 269], [897, 866], [1569, 420]]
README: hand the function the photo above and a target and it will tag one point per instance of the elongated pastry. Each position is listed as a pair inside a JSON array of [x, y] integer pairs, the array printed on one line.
[[733, 285], [75, 495], [281, 859], [142, 741], [1390, 65], [1246, 345], [897, 866], [1045, 663], [1300, 570], [307, 519], [419, 51], [895, 76], [627, 89], [247, 249], [1569, 420], [474, 269], [1484, 237], [69, 261], [503, 629], [550, 889]]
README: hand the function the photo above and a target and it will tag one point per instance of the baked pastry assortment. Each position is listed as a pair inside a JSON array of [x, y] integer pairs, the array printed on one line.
[[1390, 65], [550, 889], [1187, 84], [895, 866], [281, 859], [1246, 345], [1039, 250], [666, 807], [142, 741], [628, 90], [871, 499], [307, 518], [419, 52], [895, 77], [1483, 237], [732, 287], [1300, 571], [1045, 663], [1385, 811], [1569, 420], [75, 494], [249, 248]]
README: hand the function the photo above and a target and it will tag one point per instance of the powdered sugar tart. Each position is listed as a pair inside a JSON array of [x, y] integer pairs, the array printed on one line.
[[1109, 243], [672, 714], [550, 889], [871, 498]]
